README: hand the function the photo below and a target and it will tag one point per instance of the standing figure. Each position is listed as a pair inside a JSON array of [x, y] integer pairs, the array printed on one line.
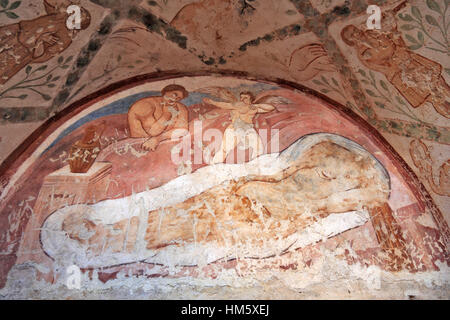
[[417, 78], [241, 130], [158, 118], [37, 40]]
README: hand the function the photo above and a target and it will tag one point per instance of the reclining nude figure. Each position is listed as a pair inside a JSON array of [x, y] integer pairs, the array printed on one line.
[[327, 186], [158, 118], [256, 209]]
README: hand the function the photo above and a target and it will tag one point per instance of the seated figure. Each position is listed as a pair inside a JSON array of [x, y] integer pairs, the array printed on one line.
[[158, 118]]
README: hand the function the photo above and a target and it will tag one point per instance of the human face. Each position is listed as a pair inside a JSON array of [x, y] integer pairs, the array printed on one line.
[[245, 98], [174, 95]]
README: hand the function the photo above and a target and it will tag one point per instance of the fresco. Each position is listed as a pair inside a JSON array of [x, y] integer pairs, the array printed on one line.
[[37, 40], [108, 116], [389, 63], [193, 173]]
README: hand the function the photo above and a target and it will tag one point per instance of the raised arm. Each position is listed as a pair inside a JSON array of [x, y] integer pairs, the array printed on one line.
[[219, 104], [264, 107]]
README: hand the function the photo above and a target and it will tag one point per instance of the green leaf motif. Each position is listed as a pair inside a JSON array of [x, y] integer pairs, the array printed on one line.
[[4, 3], [370, 93], [362, 72], [23, 96], [335, 82], [410, 38], [324, 90], [434, 6], [416, 12], [324, 80], [11, 15], [317, 82], [46, 97], [383, 85], [415, 47], [407, 27], [41, 68], [420, 37], [431, 20], [405, 17], [28, 69], [14, 5], [60, 60], [399, 100]]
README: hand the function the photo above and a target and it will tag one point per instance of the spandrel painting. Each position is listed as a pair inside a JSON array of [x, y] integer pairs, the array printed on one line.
[[216, 177]]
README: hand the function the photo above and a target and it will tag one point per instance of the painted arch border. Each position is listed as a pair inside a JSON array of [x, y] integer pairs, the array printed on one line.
[[13, 163]]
